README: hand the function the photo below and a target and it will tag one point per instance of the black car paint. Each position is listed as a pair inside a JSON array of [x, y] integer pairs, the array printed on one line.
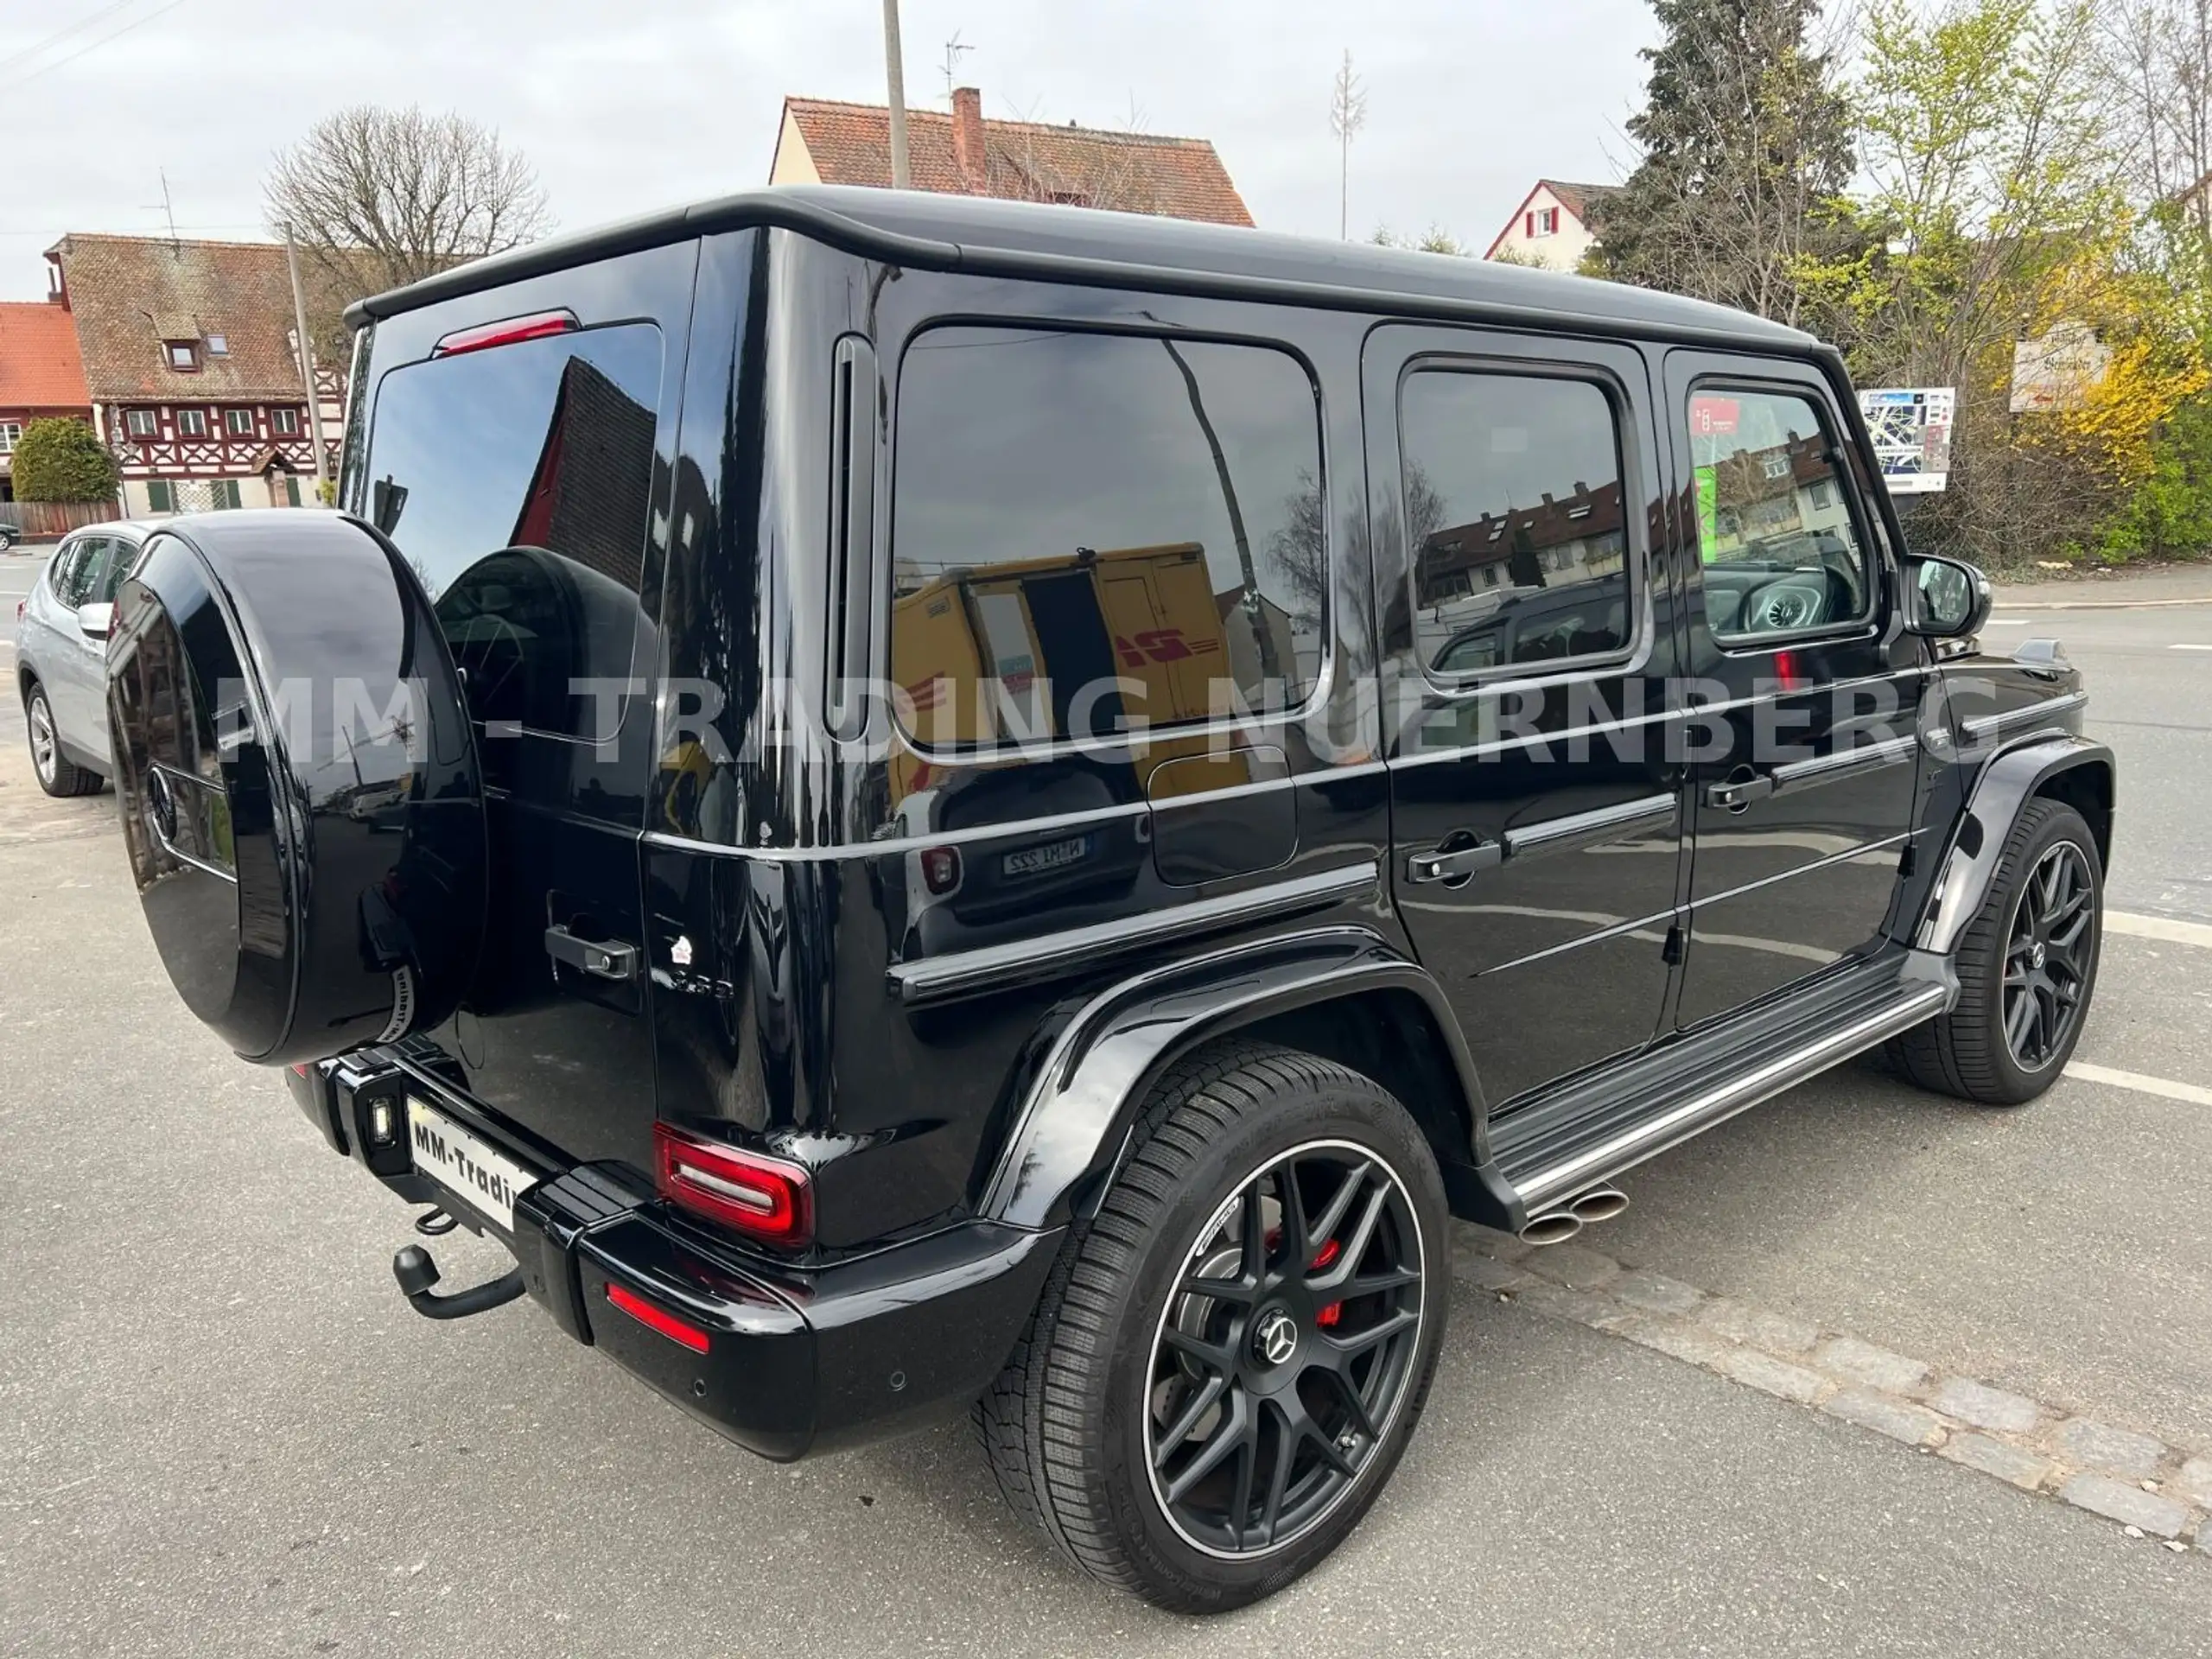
[[950, 1137]]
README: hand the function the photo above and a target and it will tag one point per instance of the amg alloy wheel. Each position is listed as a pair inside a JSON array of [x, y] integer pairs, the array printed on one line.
[[2045, 955], [1284, 1351], [2027, 967], [1230, 1357]]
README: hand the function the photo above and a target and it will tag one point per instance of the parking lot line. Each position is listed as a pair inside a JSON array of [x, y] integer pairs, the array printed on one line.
[[2188, 648], [2164, 928], [2163, 1087]]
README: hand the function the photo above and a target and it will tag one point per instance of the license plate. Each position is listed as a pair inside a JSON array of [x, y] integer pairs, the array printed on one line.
[[485, 1179], [1053, 856]]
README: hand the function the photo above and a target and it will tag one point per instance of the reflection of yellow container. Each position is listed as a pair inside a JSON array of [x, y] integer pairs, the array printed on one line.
[[1024, 649]]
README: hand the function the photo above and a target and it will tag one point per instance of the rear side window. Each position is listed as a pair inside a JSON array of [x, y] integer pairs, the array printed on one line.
[[517, 481], [76, 568], [1513, 505], [1092, 533], [1774, 537]]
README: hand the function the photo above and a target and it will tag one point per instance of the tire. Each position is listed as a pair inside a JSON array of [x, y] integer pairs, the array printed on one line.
[[1969, 1052], [1103, 1371], [55, 772]]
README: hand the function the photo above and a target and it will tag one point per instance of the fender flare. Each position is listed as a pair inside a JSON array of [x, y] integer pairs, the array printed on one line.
[[1078, 1095], [2007, 784]]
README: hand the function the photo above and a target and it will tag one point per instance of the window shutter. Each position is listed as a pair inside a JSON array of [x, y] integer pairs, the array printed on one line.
[[1529, 224]]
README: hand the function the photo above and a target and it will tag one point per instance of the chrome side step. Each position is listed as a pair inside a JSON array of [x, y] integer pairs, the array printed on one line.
[[1918, 1000]]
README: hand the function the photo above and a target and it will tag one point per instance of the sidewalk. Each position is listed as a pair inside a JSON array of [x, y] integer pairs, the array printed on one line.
[[2172, 584]]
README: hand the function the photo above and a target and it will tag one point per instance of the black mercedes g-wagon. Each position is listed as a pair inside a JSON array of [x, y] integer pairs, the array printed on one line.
[[929, 805]]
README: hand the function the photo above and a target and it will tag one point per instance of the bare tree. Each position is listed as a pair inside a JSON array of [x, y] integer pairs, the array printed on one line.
[[377, 198], [2159, 53], [1347, 115]]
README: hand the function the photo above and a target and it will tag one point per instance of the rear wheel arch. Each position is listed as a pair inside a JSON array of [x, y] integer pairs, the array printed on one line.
[[1342, 995]]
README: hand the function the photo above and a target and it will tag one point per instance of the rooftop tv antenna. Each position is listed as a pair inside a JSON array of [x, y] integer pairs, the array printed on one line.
[[953, 48], [167, 209]]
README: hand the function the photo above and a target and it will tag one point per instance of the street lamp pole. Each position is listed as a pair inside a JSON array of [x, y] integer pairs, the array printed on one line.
[[894, 73]]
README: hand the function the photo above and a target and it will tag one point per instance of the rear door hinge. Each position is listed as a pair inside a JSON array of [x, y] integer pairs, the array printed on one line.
[[1908, 859], [1672, 950]]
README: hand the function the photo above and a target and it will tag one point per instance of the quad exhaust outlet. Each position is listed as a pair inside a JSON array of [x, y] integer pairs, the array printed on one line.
[[1562, 1222]]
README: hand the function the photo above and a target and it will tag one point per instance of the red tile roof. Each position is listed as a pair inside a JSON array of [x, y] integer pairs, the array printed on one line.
[[130, 293], [1025, 161], [39, 365]]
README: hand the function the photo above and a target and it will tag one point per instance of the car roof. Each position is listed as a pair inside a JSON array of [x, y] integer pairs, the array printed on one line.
[[934, 231], [136, 530]]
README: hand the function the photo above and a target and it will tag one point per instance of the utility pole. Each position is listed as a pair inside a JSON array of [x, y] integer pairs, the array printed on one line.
[[307, 367], [894, 74]]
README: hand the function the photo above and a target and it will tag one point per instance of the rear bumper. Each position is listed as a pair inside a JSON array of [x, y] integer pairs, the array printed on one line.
[[795, 1360]]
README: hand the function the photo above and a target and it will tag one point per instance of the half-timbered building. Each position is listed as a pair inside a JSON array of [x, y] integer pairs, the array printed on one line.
[[192, 367]]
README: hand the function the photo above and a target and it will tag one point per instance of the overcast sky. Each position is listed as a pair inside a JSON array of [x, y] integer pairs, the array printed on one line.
[[639, 104]]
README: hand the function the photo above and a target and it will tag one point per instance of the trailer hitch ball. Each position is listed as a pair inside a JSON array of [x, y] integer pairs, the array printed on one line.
[[417, 1272]]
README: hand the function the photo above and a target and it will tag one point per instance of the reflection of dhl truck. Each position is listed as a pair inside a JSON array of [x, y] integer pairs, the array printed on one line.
[[989, 655]]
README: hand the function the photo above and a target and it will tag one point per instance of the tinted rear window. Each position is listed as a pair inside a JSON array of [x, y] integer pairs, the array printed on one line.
[[1072, 509], [517, 482]]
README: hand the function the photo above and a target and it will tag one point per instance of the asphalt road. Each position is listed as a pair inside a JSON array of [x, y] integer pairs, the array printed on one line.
[[226, 1435]]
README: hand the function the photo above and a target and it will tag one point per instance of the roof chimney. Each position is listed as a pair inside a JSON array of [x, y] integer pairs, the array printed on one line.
[[968, 139]]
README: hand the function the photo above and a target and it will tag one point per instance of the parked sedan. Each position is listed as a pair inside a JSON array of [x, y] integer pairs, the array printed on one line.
[[60, 649]]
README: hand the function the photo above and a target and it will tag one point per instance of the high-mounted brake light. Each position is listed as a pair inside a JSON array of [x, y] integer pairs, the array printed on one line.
[[658, 1318], [508, 331], [764, 1198]]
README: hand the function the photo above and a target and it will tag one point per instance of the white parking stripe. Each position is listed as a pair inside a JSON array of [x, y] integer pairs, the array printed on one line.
[[2158, 927], [2006, 622], [2163, 1087], [2179, 647]]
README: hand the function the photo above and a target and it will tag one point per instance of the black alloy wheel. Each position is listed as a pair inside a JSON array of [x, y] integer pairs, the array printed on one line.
[[2045, 970], [1285, 1350]]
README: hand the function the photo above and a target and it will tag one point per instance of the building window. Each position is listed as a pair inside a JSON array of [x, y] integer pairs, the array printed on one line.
[[11, 434], [183, 355], [225, 492], [284, 422], [160, 495], [141, 422], [191, 422], [239, 422], [218, 346], [1543, 221]]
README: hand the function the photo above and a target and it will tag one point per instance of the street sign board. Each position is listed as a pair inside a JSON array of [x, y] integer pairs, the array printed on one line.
[[1911, 428]]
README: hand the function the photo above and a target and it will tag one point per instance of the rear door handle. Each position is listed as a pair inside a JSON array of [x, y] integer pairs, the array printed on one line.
[[611, 959], [1455, 863], [1739, 793]]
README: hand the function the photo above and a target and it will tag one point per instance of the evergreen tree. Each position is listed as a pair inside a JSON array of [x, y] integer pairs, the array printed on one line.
[[1747, 153], [61, 460]]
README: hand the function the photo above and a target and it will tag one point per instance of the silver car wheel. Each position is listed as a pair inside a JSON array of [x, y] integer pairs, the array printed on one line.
[[44, 752]]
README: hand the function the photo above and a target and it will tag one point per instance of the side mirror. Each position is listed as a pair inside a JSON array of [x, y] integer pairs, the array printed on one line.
[[1949, 598], [96, 621]]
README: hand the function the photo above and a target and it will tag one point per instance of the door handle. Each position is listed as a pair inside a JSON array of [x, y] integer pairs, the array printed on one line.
[[610, 960], [1449, 863], [1739, 793]]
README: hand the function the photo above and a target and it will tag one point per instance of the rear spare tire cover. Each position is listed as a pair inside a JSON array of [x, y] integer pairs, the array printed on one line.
[[301, 794]]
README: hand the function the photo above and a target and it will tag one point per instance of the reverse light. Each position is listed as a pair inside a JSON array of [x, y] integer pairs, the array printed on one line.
[[769, 1199], [384, 1121], [941, 870], [509, 331], [655, 1318]]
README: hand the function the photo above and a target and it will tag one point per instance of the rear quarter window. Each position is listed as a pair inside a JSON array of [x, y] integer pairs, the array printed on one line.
[[1098, 533]]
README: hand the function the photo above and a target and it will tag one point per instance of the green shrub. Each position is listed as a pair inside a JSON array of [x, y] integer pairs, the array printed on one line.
[[2169, 514], [60, 460]]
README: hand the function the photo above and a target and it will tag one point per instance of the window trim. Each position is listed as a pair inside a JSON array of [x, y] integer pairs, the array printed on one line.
[[230, 413], [191, 409], [153, 423], [886, 562], [191, 350], [1636, 553], [1870, 548], [284, 421]]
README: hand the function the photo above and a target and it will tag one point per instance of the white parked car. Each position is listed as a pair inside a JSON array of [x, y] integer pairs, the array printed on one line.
[[62, 630]]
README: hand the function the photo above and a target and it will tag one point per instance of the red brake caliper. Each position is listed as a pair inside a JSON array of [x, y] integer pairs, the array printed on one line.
[[1334, 1311]]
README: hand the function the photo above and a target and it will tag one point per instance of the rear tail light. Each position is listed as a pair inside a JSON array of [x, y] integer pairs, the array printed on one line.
[[508, 331], [941, 870], [749, 1192], [655, 1318]]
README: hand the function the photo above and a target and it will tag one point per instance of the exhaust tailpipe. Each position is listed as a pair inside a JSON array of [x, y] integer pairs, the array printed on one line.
[[1556, 1226], [1598, 1203]]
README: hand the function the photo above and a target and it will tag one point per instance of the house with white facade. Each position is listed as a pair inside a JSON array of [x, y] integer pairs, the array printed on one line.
[[1552, 228]]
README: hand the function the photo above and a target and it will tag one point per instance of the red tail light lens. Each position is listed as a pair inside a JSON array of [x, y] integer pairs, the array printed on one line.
[[764, 1198], [508, 331], [941, 870], [655, 1318]]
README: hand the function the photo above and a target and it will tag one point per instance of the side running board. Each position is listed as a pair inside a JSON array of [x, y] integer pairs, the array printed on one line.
[[1591, 1132]]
